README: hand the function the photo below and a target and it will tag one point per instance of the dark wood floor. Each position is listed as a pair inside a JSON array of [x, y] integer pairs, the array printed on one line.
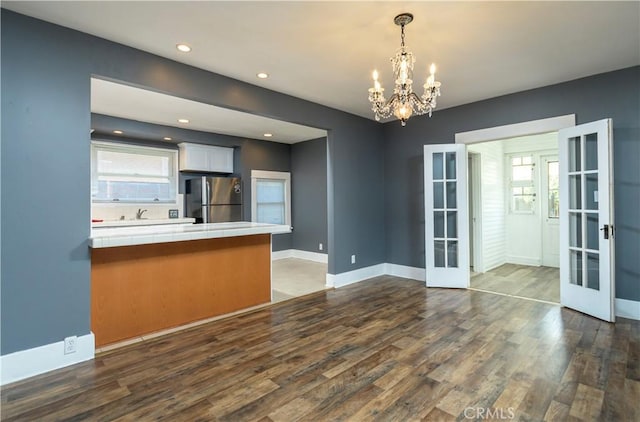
[[387, 349], [541, 283]]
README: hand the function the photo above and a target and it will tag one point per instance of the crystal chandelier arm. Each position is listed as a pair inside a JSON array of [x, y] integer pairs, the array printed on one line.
[[384, 109], [393, 100]]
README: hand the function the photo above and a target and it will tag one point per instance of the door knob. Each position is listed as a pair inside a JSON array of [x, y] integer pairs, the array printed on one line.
[[607, 229]]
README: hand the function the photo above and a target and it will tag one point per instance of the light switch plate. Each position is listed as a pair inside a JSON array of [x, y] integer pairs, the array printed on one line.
[[173, 213]]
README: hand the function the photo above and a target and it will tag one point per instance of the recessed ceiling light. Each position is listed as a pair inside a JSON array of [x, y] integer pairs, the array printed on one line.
[[117, 132], [268, 135], [183, 47], [183, 120], [166, 138], [262, 75]]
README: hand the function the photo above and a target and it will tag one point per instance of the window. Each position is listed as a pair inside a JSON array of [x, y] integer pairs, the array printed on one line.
[[133, 174], [522, 189], [271, 197]]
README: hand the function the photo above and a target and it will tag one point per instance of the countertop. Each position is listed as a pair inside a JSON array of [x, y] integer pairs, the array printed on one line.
[[143, 235], [141, 222]]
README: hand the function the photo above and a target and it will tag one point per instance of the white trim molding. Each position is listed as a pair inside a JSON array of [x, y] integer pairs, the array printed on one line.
[[355, 276], [627, 308], [281, 176], [404, 271], [31, 362], [350, 277], [300, 254], [276, 255], [552, 124], [524, 260]]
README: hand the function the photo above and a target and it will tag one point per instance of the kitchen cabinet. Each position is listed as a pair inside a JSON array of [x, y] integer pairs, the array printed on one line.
[[205, 158]]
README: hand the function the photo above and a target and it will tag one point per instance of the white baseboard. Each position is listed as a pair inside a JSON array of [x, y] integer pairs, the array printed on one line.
[[276, 255], [523, 260], [491, 266], [31, 362], [404, 271], [350, 277], [310, 256], [300, 254], [627, 308]]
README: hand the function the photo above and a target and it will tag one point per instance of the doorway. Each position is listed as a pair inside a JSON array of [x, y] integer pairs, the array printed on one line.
[[514, 211], [521, 281], [300, 265], [587, 247]]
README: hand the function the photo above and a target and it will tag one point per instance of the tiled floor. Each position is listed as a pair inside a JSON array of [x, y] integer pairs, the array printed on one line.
[[539, 283], [292, 277]]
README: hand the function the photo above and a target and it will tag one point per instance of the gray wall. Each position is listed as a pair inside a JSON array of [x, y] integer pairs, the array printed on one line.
[[45, 186], [613, 95], [46, 72], [309, 195]]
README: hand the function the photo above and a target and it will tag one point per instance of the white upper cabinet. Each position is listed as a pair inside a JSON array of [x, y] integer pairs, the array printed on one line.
[[204, 158]]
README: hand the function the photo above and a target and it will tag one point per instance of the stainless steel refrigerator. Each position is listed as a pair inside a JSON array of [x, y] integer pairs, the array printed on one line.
[[214, 199]]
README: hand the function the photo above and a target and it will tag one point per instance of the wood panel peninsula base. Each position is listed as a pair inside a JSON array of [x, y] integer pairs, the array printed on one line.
[[144, 288]]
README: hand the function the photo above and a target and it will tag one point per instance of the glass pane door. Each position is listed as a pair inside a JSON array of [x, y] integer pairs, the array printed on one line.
[[586, 219], [446, 224], [583, 213]]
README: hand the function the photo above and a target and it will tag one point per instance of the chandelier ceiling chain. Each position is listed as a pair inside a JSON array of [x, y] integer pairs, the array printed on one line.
[[404, 102]]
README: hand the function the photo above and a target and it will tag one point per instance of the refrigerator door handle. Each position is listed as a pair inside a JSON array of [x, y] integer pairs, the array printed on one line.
[[207, 195]]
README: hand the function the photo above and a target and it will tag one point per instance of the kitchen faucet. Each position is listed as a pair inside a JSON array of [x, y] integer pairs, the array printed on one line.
[[139, 213]]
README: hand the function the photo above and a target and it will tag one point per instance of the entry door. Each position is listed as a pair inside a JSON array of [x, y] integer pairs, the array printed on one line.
[[446, 220], [586, 219], [550, 195]]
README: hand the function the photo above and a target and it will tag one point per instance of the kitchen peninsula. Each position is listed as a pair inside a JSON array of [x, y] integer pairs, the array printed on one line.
[[150, 278]]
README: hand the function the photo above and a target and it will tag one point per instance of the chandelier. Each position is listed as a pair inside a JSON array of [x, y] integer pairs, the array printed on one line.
[[404, 102]]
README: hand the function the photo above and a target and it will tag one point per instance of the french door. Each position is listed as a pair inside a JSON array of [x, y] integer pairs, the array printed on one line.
[[446, 220], [587, 281]]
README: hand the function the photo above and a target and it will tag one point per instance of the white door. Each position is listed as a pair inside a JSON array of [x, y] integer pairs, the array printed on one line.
[[586, 219], [522, 220], [446, 221], [550, 202]]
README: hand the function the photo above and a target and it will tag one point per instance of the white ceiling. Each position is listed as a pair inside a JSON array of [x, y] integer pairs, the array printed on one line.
[[325, 51]]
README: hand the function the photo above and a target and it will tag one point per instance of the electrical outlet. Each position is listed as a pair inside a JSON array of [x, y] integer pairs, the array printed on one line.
[[70, 344], [320, 246], [353, 259]]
